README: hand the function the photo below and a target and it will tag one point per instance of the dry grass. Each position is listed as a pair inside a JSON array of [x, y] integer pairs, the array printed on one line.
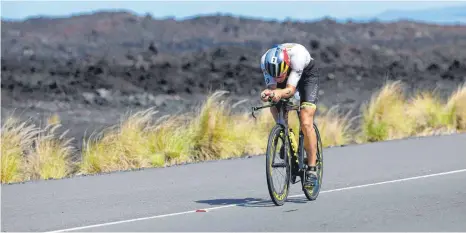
[[215, 134], [17, 140], [54, 119], [428, 114], [384, 117], [334, 128], [251, 133], [173, 139], [30, 153], [122, 147], [456, 106], [143, 139], [51, 156]]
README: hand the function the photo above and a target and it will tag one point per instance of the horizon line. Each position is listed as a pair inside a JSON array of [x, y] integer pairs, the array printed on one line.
[[355, 19]]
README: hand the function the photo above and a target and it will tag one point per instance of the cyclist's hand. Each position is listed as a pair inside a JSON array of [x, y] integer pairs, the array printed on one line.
[[276, 96], [265, 95]]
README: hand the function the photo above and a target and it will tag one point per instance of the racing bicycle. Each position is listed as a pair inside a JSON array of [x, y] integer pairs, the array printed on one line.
[[293, 157]]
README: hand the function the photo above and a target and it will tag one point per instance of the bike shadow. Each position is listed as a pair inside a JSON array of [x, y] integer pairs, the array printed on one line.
[[241, 202], [248, 202]]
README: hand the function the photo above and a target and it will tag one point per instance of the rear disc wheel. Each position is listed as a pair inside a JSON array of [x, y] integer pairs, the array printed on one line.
[[311, 193]]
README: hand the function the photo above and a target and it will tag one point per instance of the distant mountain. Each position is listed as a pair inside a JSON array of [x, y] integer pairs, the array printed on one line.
[[446, 15]]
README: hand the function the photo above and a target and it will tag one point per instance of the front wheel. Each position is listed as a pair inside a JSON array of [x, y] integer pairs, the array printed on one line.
[[312, 193], [278, 164]]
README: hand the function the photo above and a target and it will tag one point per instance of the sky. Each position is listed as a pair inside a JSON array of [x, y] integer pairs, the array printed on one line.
[[297, 10]]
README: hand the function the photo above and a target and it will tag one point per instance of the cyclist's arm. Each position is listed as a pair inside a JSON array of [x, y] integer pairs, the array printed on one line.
[[290, 88], [298, 65], [287, 92]]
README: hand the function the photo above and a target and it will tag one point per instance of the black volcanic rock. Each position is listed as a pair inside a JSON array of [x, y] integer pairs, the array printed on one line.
[[62, 58]]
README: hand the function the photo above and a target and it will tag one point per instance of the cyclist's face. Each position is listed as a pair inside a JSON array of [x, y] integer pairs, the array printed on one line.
[[280, 78]]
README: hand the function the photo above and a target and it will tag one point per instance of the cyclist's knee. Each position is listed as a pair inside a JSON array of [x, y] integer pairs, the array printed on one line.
[[307, 126], [307, 122], [308, 106], [307, 119], [308, 110]]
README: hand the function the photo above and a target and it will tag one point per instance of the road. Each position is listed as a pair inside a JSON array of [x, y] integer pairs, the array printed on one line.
[[416, 184]]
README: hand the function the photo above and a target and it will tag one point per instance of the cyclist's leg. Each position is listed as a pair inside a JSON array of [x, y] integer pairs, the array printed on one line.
[[274, 112], [308, 88], [310, 138]]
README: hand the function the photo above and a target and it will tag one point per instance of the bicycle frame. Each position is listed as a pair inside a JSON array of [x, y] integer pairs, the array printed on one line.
[[282, 105]]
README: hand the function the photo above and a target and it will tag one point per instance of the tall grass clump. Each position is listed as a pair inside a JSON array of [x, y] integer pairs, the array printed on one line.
[[31, 153], [334, 128], [17, 140], [215, 133], [254, 132], [249, 140], [51, 158], [54, 119], [428, 114], [123, 147], [257, 130], [172, 139], [384, 117], [456, 105]]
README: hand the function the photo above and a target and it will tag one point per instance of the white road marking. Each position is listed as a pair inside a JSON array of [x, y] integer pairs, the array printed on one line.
[[233, 205]]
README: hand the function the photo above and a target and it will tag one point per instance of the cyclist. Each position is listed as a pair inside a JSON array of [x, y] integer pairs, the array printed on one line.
[[289, 69]]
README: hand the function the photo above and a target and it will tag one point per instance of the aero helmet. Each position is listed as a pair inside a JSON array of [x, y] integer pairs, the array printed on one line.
[[277, 61]]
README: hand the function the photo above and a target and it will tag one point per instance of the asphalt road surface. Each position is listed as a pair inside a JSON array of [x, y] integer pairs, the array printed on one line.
[[417, 184]]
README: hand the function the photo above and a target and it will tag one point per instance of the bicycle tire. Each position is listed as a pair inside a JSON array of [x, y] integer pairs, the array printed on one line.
[[314, 193], [277, 198]]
